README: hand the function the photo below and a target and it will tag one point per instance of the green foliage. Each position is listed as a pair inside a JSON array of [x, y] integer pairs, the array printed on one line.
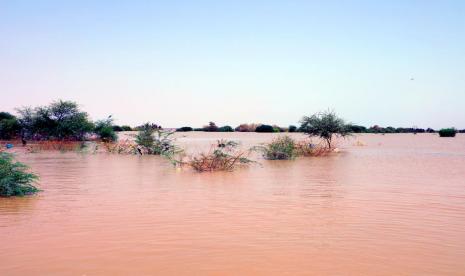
[[145, 136], [126, 128], [60, 120], [281, 148], [14, 179], [117, 128], [264, 128], [357, 129], [225, 129], [324, 125], [292, 128], [9, 126], [104, 129], [447, 132], [184, 129], [157, 142]]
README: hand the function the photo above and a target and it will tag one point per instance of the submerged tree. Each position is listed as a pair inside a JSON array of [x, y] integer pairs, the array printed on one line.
[[157, 142], [325, 125], [14, 179], [105, 130], [62, 120]]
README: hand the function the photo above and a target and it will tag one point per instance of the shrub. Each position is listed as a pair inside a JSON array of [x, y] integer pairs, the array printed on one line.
[[184, 129], [430, 130], [144, 126], [357, 129], [117, 128], [224, 156], [145, 136], [447, 132], [9, 126], [62, 146], [122, 147], [264, 128], [199, 129], [324, 125], [278, 129], [226, 129], [126, 128], [14, 178], [60, 120], [281, 148], [307, 148], [246, 127], [104, 129], [157, 142], [292, 128], [210, 127]]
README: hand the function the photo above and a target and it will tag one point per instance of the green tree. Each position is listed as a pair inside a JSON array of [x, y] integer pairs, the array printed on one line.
[[59, 120], [145, 137], [9, 126], [104, 129], [14, 178], [325, 125]]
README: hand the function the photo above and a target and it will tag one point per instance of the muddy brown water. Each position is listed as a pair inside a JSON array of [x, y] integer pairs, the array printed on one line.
[[394, 206]]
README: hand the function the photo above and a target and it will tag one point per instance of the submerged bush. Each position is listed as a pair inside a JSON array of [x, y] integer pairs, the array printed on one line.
[[292, 128], [281, 148], [14, 178], [224, 156], [265, 128], [447, 132], [308, 149], [126, 128], [62, 146], [104, 129], [156, 142]]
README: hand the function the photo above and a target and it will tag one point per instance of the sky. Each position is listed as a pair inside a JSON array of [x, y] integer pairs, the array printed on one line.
[[185, 63]]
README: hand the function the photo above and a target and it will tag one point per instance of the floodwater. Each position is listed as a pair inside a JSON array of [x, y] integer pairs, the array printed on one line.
[[385, 205]]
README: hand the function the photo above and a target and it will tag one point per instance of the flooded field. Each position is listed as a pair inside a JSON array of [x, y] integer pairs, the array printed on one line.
[[385, 205]]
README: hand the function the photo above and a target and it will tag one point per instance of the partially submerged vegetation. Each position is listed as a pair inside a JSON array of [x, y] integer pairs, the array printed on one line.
[[325, 125], [58, 121], [224, 156], [14, 178], [105, 130], [281, 148], [157, 142], [62, 146]]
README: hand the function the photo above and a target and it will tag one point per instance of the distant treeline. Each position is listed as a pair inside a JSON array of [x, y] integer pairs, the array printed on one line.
[[212, 127], [63, 120]]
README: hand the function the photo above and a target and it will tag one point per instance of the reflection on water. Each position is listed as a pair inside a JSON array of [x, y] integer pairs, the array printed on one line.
[[394, 206]]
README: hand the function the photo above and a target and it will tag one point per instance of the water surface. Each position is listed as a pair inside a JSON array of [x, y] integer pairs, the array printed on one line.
[[393, 206]]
